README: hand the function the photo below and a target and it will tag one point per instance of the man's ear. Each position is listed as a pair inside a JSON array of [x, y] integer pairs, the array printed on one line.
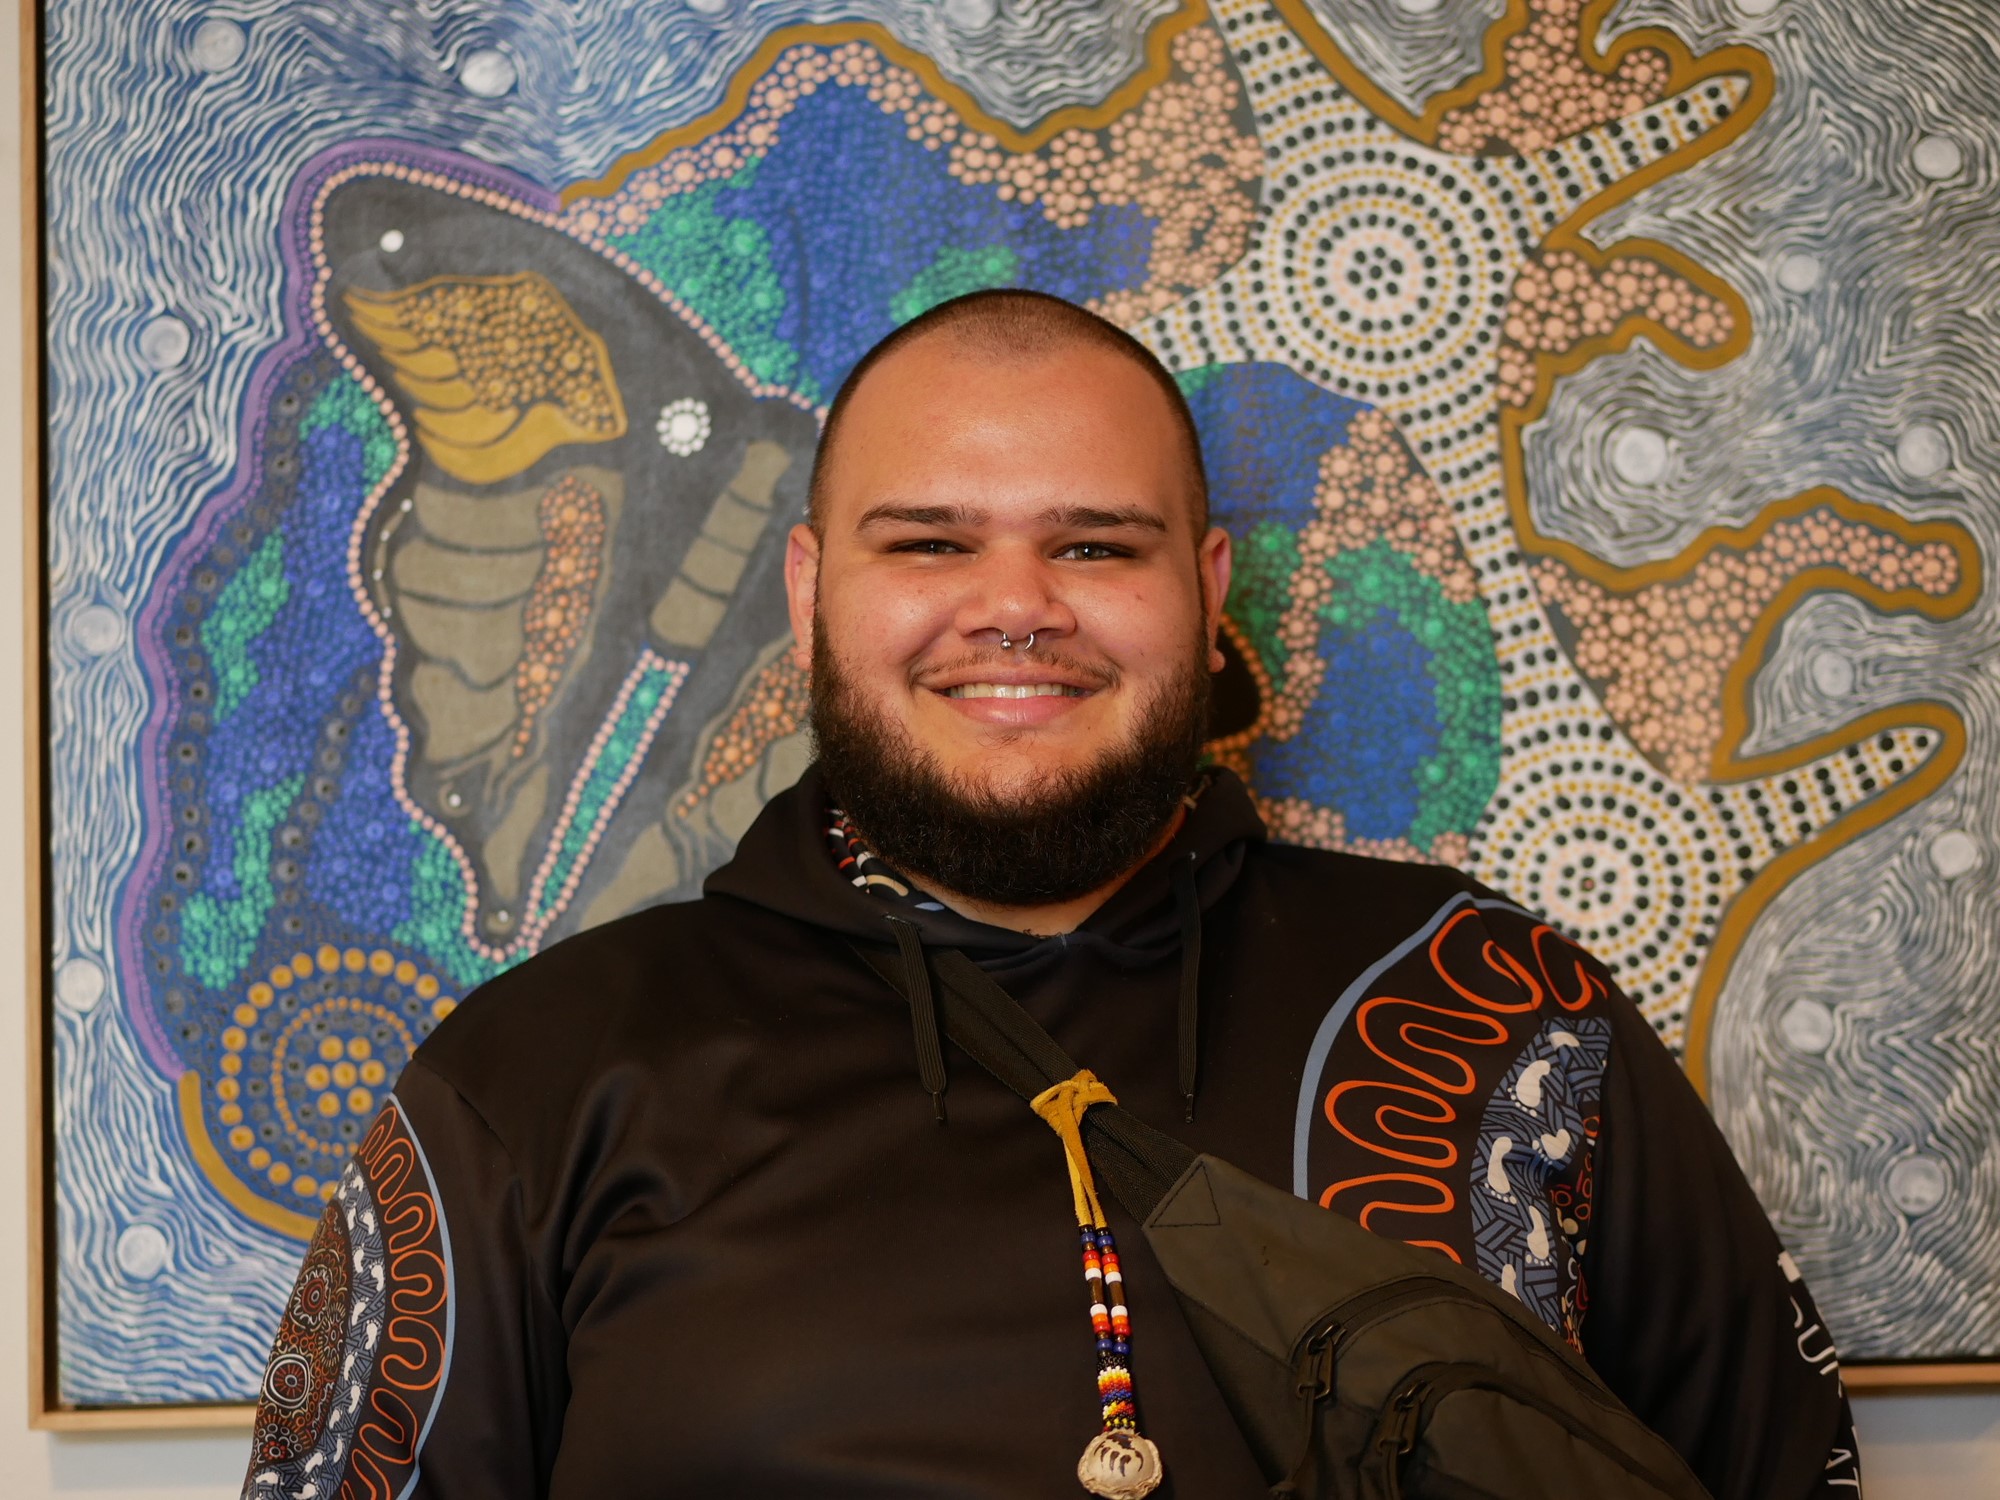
[[802, 591], [1214, 560]]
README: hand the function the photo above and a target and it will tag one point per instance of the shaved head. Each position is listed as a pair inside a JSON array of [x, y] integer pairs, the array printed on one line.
[[1017, 327]]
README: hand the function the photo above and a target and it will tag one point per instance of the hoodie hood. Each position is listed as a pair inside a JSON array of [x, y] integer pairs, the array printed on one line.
[[784, 865]]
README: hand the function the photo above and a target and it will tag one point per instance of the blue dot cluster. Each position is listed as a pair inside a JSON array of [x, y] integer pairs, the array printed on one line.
[[1372, 726], [299, 762], [855, 212], [1263, 428]]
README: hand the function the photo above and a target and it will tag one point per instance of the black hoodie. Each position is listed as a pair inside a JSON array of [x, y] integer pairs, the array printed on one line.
[[665, 1211]]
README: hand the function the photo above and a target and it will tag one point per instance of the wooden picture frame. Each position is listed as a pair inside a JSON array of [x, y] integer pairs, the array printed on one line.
[[47, 1411]]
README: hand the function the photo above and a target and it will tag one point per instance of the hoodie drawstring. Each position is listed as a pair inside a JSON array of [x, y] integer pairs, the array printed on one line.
[[1120, 1463], [923, 1004], [1189, 902], [923, 1011]]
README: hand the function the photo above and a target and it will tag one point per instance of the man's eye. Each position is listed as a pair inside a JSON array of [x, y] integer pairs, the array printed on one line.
[[928, 546], [1092, 551]]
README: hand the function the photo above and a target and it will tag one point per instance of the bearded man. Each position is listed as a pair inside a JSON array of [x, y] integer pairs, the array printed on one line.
[[696, 1204]]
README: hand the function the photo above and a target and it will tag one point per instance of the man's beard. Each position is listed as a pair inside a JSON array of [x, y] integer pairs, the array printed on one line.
[[1075, 833]]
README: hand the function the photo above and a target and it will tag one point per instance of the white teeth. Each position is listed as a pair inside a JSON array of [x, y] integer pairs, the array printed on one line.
[[1014, 690]]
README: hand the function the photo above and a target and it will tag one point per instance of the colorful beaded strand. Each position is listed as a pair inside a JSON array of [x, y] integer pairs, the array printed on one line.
[[1112, 1324], [1120, 1463]]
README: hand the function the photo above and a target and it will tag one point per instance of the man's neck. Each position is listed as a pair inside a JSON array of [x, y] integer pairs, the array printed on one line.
[[1058, 916]]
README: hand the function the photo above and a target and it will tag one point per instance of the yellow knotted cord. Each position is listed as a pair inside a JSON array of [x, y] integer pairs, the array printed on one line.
[[1062, 1105]]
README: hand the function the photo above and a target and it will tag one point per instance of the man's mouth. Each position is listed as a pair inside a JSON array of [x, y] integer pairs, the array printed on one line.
[[1015, 690]]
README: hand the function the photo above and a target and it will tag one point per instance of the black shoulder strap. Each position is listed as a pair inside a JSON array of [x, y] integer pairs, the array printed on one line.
[[1137, 1162]]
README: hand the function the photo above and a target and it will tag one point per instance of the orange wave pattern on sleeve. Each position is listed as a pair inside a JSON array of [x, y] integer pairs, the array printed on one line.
[[1496, 999], [412, 1363]]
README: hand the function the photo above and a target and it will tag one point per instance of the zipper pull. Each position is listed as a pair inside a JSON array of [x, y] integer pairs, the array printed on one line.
[[1399, 1431], [1314, 1377], [1315, 1366]]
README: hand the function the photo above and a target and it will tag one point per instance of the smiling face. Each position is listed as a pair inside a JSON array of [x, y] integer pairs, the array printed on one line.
[[979, 500]]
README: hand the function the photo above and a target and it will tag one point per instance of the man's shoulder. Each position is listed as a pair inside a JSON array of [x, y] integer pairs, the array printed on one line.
[[1390, 899], [594, 994], [1365, 884]]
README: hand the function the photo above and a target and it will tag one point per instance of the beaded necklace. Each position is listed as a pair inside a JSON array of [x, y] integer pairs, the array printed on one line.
[[1120, 1463]]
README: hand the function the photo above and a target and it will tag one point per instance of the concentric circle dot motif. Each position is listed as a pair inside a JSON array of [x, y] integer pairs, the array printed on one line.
[[312, 1050], [683, 426]]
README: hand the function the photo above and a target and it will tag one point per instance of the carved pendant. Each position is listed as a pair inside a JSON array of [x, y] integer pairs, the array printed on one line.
[[1120, 1465]]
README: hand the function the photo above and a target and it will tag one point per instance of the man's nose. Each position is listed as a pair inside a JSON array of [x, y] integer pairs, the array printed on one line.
[[1015, 592]]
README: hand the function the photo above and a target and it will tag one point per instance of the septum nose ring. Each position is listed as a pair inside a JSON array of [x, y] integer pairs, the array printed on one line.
[[1007, 643]]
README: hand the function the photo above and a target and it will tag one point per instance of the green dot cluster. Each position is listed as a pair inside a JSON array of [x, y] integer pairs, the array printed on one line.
[[244, 609], [1194, 382], [722, 268], [219, 934], [346, 405], [1457, 781], [435, 925], [1260, 589], [956, 271]]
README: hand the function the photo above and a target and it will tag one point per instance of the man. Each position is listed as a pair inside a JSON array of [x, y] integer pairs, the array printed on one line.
[[666, 1211]]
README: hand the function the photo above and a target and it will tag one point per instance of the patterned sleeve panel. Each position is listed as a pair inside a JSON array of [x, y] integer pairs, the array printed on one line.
[[377, 1388], [1451, 1101]]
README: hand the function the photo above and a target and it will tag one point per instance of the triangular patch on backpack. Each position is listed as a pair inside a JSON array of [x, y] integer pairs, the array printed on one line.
[[1189, 1204]]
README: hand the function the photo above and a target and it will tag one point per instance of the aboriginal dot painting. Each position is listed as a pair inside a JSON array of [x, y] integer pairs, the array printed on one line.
[[1593, 391]]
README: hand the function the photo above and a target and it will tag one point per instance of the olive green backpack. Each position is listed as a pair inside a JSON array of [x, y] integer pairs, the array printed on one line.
[[1357, 1367]]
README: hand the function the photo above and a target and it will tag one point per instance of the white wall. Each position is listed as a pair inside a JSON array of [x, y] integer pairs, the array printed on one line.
[[1914, 1447]]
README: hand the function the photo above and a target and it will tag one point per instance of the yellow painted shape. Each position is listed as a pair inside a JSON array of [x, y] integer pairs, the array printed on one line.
[[375, 315], [1157, 68], [245, 1199], [420, 363], [470, 441], [468, 427], [438, 395], [541, 430]]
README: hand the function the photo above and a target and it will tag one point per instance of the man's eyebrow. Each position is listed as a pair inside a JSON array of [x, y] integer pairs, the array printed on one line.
[[1097, 518], [1065, 517], [894, 514]]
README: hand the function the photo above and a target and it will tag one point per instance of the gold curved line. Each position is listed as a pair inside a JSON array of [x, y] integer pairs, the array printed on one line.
[[1628, 580], [1726, 764], [1684, 70], [240, 1194], [1687, 71], [1158, 65], [1620, 579], [1493, 68], [1750, 903], [1551, 368]]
